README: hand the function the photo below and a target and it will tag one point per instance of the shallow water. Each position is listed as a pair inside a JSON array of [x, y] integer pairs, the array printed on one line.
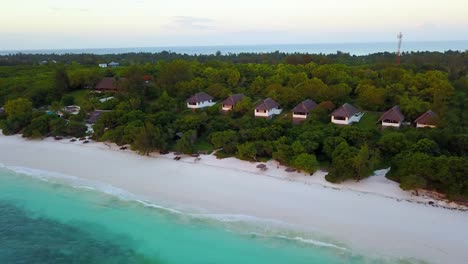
[[47, 221]]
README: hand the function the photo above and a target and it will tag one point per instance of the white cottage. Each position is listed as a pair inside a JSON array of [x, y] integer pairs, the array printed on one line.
[[200, 100], [428, 119], [302, 110], [231, 101], [267, 108], [346, 115], [392, 118]]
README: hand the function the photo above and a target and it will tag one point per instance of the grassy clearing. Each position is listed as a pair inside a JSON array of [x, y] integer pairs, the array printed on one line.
[[369, 120]]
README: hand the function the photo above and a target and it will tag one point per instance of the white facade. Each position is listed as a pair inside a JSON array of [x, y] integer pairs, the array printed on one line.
[[347, 121], [418, 125], [103, 65], [227, 107], [389, 124], [299, 116], [267, 113], [199, 105]]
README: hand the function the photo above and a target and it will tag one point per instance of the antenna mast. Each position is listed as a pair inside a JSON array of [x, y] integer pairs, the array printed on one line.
[[400, 38]]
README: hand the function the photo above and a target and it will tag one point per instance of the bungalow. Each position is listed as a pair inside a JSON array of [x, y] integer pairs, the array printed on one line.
[[95, 115], [109, 84], [103, 65], [231, 101], [301, 111], [428, 119], [346, 115], [113, 64], [200, 100], [267, 108], [72, 109], [392, 118]]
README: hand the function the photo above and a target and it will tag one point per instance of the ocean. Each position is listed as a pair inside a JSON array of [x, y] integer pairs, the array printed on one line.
[[325, 48], [47, 221]]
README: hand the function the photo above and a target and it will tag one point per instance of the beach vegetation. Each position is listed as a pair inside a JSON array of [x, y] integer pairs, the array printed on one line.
[[149, 111]]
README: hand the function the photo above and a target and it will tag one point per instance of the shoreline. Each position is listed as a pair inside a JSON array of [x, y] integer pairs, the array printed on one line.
[[373, 215]]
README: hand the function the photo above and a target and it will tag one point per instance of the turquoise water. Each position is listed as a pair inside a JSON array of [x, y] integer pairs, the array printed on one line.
[[47, 222]]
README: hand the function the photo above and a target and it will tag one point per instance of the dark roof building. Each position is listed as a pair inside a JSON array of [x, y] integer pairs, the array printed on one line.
[[95, 115], [200, 100], [428, 119], [267, 104], [346, 115], [109, 84], [392, 117], [231, 101], [345, 110], [304, 107]]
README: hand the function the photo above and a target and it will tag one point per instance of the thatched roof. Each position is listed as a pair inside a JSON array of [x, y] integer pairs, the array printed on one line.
[[108, 84], [305, 106], [394, 114], [428, 118], [345, 110], [267, 104], [199, 97], [233, 99]]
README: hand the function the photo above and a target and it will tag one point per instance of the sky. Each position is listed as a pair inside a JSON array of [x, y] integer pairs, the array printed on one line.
[[63, 24]]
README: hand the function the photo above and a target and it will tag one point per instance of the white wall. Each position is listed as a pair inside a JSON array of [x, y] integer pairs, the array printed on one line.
[[227, 107], [385, 124], [418, 125], [201, 104], [340, 122], [299, 116], [268, 113]]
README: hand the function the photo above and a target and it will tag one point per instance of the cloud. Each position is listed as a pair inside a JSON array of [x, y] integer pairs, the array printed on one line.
[[192, 23]]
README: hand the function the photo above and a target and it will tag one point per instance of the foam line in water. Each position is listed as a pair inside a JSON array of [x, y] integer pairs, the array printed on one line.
[[80, 183]]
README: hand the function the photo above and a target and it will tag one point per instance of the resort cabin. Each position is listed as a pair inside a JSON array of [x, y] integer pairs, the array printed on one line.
[[267, 108], [392, 118], [200, 100], [95, 115], [103, 65], [72, 109], [113, 64], [108, 84], [301, 111], [231, 101], [428, 119], [346, 115]]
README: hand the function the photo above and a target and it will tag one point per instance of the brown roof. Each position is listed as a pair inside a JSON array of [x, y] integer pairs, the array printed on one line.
[[428, 118], [95, 115], [394, 114], [108, 83], [233, 99], [305, 106], [199, 97], [345, 110], [267, 104]]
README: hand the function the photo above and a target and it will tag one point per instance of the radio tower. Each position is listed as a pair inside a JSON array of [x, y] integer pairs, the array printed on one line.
[[400, 38]]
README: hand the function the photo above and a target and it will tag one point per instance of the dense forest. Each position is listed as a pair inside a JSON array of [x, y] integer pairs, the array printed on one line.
[[149, 110]]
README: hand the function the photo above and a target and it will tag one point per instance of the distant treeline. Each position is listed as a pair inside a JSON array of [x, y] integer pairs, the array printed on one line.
[[453, 62]]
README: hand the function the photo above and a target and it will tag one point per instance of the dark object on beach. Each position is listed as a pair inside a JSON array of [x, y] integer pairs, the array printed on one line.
[[58, 138], [261, 166], [83, 138], [73, 140], [431, 202], [195, 155], [163, 152], [123, 148], [85, 142], [177, 158], [290, 170], [178, 153]]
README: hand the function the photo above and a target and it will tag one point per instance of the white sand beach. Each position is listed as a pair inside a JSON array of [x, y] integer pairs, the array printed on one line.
[[373, 215]]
